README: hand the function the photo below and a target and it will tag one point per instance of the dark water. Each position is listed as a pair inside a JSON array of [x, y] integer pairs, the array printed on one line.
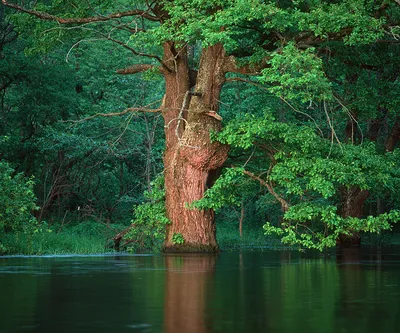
[[232, 292]]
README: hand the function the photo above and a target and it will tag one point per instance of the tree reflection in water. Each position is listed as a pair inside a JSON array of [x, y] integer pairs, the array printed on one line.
[[188, 279]]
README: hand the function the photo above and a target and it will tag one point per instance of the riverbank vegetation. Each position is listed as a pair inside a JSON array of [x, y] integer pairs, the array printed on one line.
[[197, 125]]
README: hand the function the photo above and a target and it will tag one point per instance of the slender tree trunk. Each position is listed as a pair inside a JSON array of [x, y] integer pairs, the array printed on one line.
[[190, 155], [241, 219]]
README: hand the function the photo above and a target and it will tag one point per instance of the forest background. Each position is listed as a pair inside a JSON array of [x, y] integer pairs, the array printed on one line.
[[310, 115]]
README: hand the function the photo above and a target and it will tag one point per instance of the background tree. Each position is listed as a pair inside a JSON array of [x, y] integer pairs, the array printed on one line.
[[84, 170]]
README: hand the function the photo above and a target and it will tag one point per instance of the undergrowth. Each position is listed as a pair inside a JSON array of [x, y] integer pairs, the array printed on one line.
[[95, 238], [229, 239], [83, 238]]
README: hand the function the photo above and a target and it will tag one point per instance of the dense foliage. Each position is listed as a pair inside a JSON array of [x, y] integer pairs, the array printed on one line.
[[310, 112], [147, 231], [17, 201]]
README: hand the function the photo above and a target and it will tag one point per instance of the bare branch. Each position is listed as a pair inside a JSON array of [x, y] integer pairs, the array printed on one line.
[[116, 114], [141, 54], [109, 38], [75, 20], [130, 48], [350, 116], [304, 114], [250, 69], [284, 203], [248, 81], [6, 84]]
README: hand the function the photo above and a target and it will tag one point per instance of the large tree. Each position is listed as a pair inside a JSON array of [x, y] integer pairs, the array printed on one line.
[[194, 45]]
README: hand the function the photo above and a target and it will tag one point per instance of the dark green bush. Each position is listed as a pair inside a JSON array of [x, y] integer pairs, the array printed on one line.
[[17, 201]]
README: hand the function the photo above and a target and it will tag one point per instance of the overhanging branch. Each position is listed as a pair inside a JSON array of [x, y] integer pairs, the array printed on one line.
[[141, 54], [75, 20], [249, 69], [132, 49], [139, 68], [308, 39], [284, 203]]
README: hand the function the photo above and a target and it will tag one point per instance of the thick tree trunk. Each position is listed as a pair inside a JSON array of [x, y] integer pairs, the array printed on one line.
[[352, 205], [190, 155]]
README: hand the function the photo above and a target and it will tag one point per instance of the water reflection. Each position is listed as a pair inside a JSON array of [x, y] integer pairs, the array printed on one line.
[[368, 293], [189, 279], [275, 292]]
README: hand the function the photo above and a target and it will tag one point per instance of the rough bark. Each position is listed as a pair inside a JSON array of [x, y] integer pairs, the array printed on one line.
[[190, 155]]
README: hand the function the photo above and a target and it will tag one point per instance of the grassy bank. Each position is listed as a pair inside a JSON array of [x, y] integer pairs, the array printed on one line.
[[95, 238], [84, 238]]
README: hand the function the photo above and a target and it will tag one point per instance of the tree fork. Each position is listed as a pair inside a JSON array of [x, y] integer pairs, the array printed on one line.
[[190, 154]]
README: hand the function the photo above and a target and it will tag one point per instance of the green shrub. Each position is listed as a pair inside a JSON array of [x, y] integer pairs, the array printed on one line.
[[17, 201], [148, 229]]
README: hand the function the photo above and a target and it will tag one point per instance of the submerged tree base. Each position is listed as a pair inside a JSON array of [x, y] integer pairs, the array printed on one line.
[[353, 240], [190, 248]]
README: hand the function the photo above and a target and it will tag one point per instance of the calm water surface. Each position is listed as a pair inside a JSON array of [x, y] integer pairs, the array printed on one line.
[[231, 292]]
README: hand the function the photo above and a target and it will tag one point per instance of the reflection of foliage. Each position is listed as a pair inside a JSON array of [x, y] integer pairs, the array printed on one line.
[[147, 231]]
